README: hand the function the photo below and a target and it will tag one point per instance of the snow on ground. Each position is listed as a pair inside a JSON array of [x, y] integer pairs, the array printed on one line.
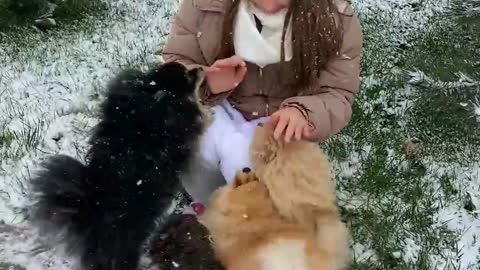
[[403, 17], [455, 217], [49, 93], [406, 19], [465, 179], [55, 85]]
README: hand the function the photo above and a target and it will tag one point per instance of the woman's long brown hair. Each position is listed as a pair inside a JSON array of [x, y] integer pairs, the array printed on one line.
[[316, 36]]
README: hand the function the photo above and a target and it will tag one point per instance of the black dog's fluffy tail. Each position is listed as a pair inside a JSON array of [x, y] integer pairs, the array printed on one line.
[[103, 221], [60, 193]]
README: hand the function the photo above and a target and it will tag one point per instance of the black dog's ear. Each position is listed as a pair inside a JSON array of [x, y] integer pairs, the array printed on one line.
[[173, 68], [171, 72], [173, 77], [194, 74], [127, 83]]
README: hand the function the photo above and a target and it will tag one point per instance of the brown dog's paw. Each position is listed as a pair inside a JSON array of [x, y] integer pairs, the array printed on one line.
[[243, 177]]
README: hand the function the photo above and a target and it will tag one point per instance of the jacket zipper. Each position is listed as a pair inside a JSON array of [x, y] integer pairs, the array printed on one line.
[[260, 81], [262, 92]]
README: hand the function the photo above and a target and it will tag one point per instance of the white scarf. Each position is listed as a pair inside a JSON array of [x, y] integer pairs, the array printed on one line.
[[265, 48]]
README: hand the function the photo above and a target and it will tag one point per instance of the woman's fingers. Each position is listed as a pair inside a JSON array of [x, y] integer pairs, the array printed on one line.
[[299, 133], [233, 61], [212, 69], [273, 121], [290, 131], [240, 74], [280, 128], [307, 131]]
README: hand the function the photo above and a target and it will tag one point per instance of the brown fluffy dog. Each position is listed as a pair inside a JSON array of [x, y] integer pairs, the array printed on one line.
[[298, 179], [249, 234]]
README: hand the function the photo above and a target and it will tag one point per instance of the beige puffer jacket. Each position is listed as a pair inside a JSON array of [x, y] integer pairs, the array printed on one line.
[[195, 39]]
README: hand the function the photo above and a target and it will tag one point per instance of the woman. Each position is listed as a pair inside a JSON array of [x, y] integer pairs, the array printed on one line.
[[292, 63]]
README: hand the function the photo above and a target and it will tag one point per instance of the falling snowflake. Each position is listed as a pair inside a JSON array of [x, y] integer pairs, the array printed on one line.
[[139, 182], [476, 109]]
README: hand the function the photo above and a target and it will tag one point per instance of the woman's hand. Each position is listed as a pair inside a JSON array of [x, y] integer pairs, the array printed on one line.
[[290, 123], [226, 74]]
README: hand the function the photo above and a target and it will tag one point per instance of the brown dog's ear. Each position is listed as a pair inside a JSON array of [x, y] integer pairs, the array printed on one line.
[[243, 177]]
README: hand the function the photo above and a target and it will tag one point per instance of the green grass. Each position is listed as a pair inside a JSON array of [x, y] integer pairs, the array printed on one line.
[[398, 200], [438, 116], [16, 12], [27, 139], [70, 10], [6, 139], [18, 15]]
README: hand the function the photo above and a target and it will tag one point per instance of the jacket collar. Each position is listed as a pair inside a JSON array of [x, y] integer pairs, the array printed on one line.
[[260, 48], [213, 5]]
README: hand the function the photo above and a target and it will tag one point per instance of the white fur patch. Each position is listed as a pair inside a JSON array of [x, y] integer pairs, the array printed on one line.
[[283, 254]]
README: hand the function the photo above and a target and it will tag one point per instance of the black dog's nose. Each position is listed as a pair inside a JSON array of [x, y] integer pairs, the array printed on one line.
[[246, 170]]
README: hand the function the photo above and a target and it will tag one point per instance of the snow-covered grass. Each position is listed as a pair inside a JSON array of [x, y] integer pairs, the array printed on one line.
[[407, 165], [420, 84], [50, 88]]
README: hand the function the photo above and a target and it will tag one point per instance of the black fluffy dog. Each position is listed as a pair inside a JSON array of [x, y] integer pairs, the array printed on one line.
[[106, 209]]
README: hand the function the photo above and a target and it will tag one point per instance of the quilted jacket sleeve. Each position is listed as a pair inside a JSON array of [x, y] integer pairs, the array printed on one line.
[[328, 102], [182, 45]]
